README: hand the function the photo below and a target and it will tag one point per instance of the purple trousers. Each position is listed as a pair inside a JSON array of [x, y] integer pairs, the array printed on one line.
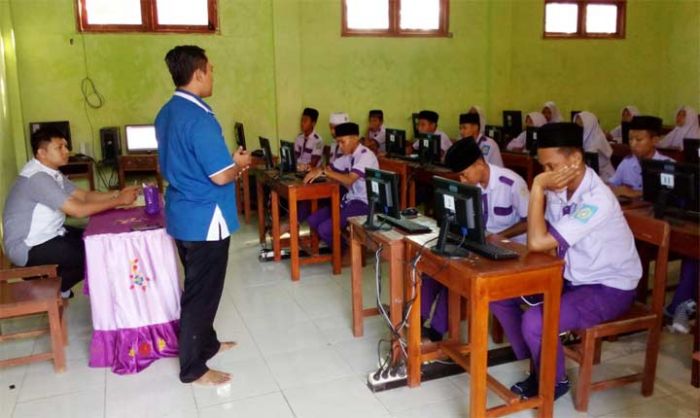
[[321, 222], [687, 284], [432, 292], [581, 307]]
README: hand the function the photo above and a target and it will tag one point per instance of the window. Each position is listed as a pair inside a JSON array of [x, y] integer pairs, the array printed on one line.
[[395, 17], [584, 18], [147, 16]]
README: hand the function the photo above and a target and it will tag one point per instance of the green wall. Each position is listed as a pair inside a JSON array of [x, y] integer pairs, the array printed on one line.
[[275, 56]]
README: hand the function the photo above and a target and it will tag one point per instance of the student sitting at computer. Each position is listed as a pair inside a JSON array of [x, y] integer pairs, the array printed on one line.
[[504, 200], [335, 120], [626, 115], [308, 145], [532, 120], [551, 112], [643, 137], [594, 141], [376, 134], [349, 171], [427, 124], [471, 125], [686, 127], [574, 212], [36, 209]]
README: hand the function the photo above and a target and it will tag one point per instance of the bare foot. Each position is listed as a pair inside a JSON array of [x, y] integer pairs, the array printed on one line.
[[213, 378], [226, 345]]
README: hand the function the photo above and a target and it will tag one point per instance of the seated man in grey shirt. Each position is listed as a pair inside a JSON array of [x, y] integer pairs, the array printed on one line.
[[37, 205]]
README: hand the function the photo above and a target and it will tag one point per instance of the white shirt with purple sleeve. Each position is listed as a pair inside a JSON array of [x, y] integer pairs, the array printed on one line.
[[490, 151], [379, 136], [593, 237], [629, 172], [307, 147], [360, 159], [505, 200]]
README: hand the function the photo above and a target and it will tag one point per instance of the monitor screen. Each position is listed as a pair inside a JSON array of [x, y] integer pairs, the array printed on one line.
[[531, 140], [61, 126], [288, 161], [239, 134], [668, 184], [591, 160], [512, 122], [382, 194], [458, 210], [691, 151], [141, 138], [429, 148], [495, 133], [414, 119], [395, 142], [625, 127], [267, 152]]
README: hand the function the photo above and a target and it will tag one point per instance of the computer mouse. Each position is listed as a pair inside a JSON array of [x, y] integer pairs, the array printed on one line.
[[409, 213]]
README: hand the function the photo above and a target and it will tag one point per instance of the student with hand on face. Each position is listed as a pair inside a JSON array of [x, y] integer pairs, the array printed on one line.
[[471, 125], [686, 127], [574, 212], [594, 141], [308, 145], [626, 115], [519, 143], [428, 124]]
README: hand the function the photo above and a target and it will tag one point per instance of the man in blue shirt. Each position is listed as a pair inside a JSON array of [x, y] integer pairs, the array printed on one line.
[[200, 206]]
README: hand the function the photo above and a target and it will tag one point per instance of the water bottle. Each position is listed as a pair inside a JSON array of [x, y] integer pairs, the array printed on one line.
[[150, 196]]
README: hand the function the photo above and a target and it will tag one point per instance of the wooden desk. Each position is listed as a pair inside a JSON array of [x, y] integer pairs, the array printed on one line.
[[139, 163], [523, 164], [405, 171], [80, 169], [482, 281], [294, 191], [243, 189]]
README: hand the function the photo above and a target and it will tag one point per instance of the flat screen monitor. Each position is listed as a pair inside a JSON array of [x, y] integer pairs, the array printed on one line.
[[531, 134], [382, 195], [414, 120], [671, 187], [691, 151], [288, 161], [591, 160], [496, 133], [140, 139], [512, 122], [429, 148], [625, 127], [62, 126], [267, 152], [459, 212], [395, 142], [239, 134]]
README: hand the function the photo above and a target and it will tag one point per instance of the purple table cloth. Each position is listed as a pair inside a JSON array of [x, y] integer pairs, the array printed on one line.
[[132, 281]]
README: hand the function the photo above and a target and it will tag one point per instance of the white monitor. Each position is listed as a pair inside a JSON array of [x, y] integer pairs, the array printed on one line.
[[141, 138]]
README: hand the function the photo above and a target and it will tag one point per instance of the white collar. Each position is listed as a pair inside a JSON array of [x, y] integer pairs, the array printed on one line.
[[34, 166], [192, 99]]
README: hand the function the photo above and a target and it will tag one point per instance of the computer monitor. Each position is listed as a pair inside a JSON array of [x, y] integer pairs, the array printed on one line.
[[625, 127], [459, 212], [288, 160], [531, 134], [671, 187], [429, 148], [691, 151], [62, 126], [382, 195], [395, 142], [140, 139], [573, 115], [496, 133], [591, 160], [239, 134], [512, 122], [414, 120], [267, 152]]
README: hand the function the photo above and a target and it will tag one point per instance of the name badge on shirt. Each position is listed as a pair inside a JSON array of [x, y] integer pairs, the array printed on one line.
[[585, 213], [485, 148]]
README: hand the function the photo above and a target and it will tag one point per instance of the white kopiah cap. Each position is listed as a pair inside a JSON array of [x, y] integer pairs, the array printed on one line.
[[338, 117]]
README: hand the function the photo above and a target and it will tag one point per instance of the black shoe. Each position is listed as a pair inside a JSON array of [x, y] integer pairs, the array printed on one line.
[[561, 389], [528, 388], [432, 335]]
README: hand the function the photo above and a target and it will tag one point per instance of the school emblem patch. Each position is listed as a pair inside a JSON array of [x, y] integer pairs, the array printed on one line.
[[485, 148], [585, 212]]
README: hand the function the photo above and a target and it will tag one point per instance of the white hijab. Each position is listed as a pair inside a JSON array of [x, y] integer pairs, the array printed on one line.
[[594, 141], [689, 129], [616, 132], [556, 114], [519, 141], [482, 118]]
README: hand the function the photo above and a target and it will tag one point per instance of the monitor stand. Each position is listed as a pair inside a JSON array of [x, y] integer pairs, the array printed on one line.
[[442, 247], [660, 204], [369, 224]]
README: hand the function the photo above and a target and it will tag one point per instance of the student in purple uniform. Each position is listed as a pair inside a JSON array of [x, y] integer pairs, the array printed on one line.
[[427, 124], [573, 212], [376, 134], [686, 127], [505, 200], [349, 171], [473, 124], [519, 143], [308, 145]]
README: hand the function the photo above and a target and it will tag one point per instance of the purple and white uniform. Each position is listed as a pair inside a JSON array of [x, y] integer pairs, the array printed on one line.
[[379, 136], [490, 151], [307, 147], [629, 172]]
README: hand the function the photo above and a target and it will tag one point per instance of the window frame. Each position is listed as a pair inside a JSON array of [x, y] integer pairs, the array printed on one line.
[[394, 29], [581, 21], [149, 15]]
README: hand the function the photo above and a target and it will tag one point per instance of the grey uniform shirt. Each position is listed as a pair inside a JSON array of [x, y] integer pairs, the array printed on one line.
[[32, 212]]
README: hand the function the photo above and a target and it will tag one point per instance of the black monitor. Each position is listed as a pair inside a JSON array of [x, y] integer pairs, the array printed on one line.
[[496, 133], [395, 142], [591, 160], [382, 195], [140, 139], [459, 212], [531, 134], [414, 119], [625, 127], [691, 151], [62, 126], [512, 122], [428, 148], [672, 187], [239, 134], [573, 115], [267, 152], [288, 160]]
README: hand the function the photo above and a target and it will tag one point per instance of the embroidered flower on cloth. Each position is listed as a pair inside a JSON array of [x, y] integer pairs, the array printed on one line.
[[136, 278]]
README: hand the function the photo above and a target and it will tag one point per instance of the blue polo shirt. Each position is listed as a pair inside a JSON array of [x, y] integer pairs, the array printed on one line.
[[191, 149]]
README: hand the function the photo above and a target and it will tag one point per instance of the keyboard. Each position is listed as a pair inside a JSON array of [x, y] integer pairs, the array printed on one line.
[[490, 251], [405, 225]]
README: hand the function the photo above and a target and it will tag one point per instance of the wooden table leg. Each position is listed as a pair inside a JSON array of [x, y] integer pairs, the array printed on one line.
[[454, 316], [276, 246], [550, 339], [414, 331], [261, 211], [294, 234], [412, 194], [356, 280], [396, 289], [246, 196], [335, 215], [478, 340]]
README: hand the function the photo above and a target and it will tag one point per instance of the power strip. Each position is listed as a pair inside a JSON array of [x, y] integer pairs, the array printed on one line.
[[381, 377]]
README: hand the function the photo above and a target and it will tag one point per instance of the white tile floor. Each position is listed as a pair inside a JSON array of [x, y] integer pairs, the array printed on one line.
[[297, 358]]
